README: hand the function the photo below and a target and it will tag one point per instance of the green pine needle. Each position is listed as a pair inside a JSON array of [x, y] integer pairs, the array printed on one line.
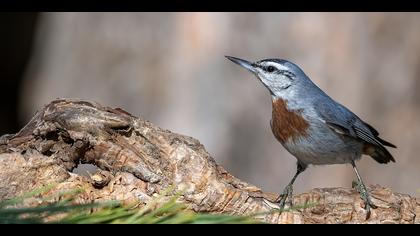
[[66, 211]]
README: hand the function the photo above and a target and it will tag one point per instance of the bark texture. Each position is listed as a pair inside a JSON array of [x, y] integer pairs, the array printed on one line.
[[137, 160]]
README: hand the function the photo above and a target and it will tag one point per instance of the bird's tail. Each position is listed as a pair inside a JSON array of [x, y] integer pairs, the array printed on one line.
[[379, 153]]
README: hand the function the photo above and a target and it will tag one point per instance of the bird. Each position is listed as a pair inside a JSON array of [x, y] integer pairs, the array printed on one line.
[[313, 127]]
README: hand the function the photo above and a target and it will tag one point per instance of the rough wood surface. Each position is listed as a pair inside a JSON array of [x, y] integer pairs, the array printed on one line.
[[138, 160]]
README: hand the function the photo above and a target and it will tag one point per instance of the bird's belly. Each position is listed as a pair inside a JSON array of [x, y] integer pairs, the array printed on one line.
[[321, 146]]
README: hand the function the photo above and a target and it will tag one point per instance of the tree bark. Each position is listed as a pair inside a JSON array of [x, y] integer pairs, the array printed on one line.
[[137, 160]]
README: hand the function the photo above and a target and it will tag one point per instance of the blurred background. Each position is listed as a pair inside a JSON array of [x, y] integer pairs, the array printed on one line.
[[169, 68]]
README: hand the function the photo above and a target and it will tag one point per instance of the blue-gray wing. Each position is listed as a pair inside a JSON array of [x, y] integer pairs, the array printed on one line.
[[345, 122]]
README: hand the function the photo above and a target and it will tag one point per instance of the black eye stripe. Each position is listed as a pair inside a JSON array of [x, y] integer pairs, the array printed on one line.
[[287, 73], [271, 69]]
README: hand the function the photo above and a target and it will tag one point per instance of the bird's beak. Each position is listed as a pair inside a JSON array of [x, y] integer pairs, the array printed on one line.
[[245, 64]]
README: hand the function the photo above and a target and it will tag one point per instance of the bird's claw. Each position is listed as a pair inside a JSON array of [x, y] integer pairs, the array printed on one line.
[[364, 194], [286, 198]]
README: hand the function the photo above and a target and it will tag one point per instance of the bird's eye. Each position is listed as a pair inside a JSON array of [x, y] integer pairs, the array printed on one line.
[[271, 68]]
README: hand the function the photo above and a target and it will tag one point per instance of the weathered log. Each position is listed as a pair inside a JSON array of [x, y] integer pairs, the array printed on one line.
[[138, 159]]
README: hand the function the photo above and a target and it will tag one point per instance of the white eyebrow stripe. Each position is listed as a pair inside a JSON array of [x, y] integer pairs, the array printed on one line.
[[277, 65]]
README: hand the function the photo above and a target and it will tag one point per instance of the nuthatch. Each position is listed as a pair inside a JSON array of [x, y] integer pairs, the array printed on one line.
[[312, 126]]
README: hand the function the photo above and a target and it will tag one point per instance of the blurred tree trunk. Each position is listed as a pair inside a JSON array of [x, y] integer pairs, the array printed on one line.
[[17, 32], [136, 159]]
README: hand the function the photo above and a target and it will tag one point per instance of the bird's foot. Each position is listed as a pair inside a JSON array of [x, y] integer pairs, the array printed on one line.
[[286, 198], [364, 194]]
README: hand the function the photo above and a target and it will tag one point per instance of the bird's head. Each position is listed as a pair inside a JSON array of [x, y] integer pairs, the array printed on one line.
[[280, 76]]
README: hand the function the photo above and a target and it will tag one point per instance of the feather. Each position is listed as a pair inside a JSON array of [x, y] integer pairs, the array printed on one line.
[[344, 122]]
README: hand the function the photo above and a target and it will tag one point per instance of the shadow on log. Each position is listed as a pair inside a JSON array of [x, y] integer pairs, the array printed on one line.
[[137, 160]]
